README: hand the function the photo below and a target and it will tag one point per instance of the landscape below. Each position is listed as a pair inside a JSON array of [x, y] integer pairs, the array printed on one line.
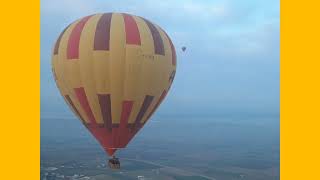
[[220, 148]]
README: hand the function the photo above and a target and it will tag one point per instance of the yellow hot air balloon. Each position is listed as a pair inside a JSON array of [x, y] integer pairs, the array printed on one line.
[[113, 70]]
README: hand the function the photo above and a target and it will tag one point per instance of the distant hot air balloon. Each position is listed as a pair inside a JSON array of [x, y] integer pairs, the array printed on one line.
[[113, 70], [183, 48]]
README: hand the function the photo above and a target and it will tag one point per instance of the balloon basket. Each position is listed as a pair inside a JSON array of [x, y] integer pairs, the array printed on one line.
[[114, 163]]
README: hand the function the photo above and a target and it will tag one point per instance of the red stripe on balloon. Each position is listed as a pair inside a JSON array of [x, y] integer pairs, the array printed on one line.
[[57, 45], [172, 75], [110, 151], [126, 110], [115, 137], [132, 31], [157, 40], [102, 34], [105, 106], [74, 39], [125, 114], [82, 98], [73, 106], [163, 95], [133, 131], [101, 135], [145, 105], [173, 50]]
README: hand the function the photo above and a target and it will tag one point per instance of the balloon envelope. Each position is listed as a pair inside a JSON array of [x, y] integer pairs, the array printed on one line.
[[113, 70]]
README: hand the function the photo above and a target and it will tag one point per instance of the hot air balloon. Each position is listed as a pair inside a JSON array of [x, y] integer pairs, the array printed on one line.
[[113, 70]]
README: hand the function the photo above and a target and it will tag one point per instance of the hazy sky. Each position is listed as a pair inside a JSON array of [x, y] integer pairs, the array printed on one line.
[[231, 65]]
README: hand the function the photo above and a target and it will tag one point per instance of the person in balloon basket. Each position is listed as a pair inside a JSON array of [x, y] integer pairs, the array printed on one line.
[[114, 163]]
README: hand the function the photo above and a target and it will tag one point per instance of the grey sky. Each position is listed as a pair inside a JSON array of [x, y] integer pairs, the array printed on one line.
[[231, 65]]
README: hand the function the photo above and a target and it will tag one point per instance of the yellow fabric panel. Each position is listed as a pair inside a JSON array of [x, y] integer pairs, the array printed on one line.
[[152, 105], [147, 59], [101, 68], [133, 80], [117, 62], [167, 67], [59, 81], [138, 67], [161, 70], [62, 71], [132, 73], [87, 66], [61, 87], [61, 57], [73, 110], [101, 63], [145, 36], [72, 72]]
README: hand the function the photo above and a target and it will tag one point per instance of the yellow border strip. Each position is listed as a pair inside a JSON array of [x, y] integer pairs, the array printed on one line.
[[300, 90], [20, 86], [300, 112]]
